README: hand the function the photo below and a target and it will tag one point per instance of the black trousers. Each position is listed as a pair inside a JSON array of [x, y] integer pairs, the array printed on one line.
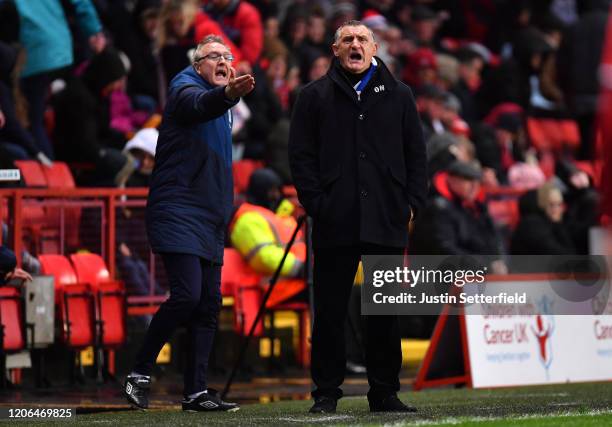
[[334, 273], [195, 301]]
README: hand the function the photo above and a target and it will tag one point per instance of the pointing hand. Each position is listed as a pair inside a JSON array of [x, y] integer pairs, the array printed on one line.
[[239, 86]]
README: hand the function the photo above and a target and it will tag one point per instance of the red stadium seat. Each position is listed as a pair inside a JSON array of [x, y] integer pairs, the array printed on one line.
[[90, 268], [109, 295], [553, 134], [60, 268], [34, 217], [74, 300], [239, 280], [32, 173], [247, 300], [77, 316], [44, 224], [235, 273], [58, 176], [12, 324], [33, 222]]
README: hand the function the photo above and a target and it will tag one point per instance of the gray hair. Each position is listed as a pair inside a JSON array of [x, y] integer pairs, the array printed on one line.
[[351, 23], [211, 38]]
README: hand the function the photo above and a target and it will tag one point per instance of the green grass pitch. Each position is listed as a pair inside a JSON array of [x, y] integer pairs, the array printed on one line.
[[559, 405]]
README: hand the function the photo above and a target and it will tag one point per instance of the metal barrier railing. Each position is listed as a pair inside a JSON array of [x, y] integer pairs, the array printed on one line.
[[95, 219], [106, 218]]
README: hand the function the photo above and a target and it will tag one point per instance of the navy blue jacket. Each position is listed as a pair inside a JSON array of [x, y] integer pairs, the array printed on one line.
[[191, 194]]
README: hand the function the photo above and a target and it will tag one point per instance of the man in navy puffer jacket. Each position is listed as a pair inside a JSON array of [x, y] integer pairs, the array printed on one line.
[[189, 207]]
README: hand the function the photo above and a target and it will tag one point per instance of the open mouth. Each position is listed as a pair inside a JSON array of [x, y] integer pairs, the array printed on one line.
[[222, 73], [355, 56]]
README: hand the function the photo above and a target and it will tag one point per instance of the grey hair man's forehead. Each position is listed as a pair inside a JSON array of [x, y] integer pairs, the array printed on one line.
[[352, 24], [211, 38]]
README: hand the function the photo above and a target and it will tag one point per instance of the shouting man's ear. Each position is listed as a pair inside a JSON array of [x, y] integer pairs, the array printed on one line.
[[335, 49]]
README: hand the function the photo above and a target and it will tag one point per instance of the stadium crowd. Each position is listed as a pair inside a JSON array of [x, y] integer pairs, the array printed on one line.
[[506, 90]]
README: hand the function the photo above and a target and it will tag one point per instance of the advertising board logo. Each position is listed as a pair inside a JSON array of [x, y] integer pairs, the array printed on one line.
[[543, 329]]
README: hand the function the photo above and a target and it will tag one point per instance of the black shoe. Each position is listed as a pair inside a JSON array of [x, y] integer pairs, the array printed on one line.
[[324, 405], [136, 390], [209, 401], [390, 404]]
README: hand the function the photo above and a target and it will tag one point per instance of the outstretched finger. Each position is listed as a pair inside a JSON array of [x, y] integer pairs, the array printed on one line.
[[243, 84], [246, 87], [243, 78]]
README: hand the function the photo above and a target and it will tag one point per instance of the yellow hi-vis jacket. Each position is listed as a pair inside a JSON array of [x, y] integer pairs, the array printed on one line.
[[261, 235]]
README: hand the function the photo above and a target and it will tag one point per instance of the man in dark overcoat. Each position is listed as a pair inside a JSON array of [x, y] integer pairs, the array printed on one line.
[[358, 162]]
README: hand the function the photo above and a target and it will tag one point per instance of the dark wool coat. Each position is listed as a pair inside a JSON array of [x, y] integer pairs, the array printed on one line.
[[358, 165]]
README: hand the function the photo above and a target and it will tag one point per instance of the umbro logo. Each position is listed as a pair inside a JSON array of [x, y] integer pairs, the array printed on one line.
[[128, 388], [209, 404], [380, 88]]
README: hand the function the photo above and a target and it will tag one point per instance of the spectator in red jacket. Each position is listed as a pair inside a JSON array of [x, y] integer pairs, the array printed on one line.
[[241, 23]]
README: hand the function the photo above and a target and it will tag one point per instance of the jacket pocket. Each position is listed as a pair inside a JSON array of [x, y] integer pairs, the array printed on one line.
[[398, 205], [327, 185]]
